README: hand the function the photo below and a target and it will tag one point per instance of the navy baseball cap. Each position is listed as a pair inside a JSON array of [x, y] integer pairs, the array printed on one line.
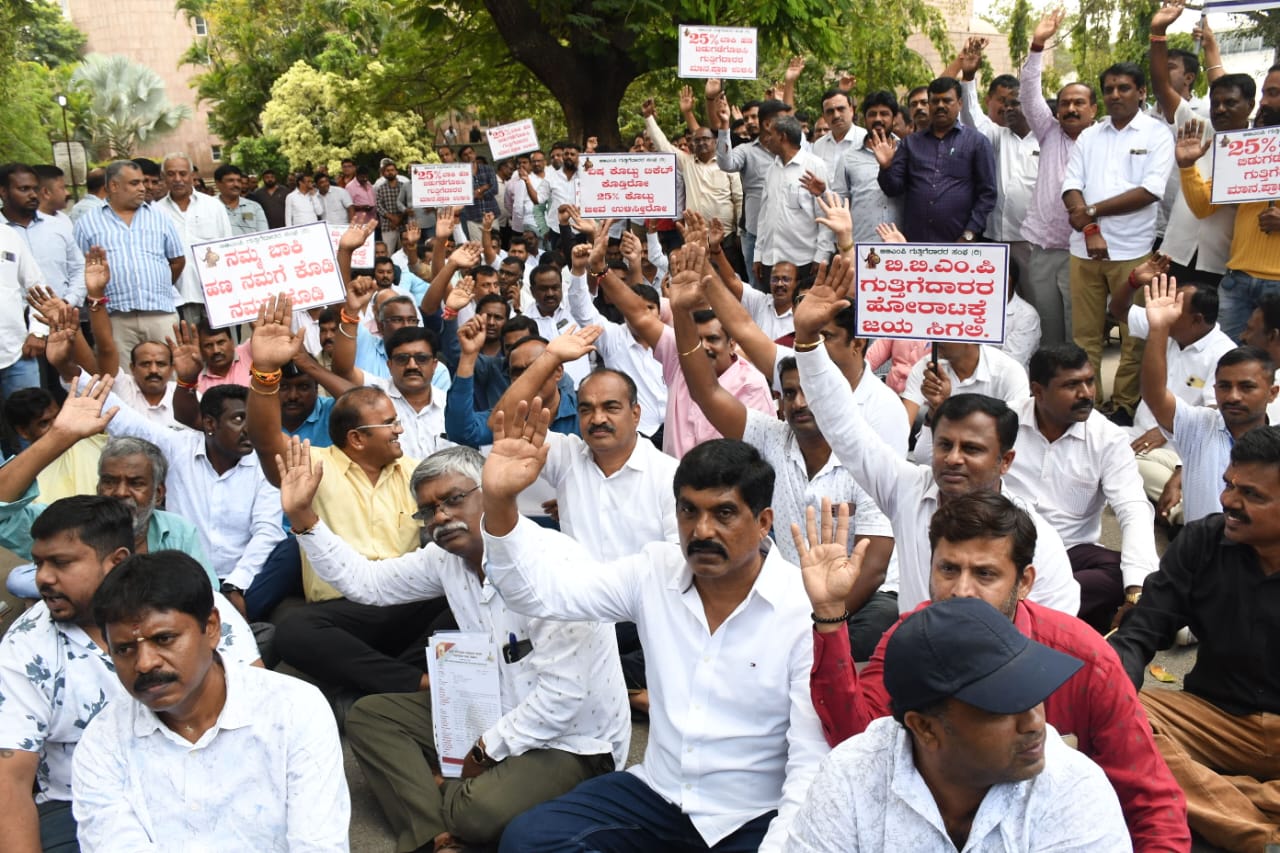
[[964, 648]]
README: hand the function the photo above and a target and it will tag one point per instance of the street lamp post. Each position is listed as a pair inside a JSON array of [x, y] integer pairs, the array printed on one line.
[[66, 135]]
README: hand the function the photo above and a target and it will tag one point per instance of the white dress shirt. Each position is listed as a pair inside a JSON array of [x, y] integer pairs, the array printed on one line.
[[566, 694], [786, 228], [51, 237], [794, 491], [1021, 330], [237, 512], [553, 327], [19, 272], [334, 204], [423, 428], [561, 190], [1107, 162], [161, 414], [997, 375], [760, 306], [908, 495], [614, 516], [54, 680], [300, 209], [1071, 479], [1202, 439], [733, 732], [868, 795], [204, 219], [267, 776], [522, 205], [1191, 369], [1017, 164], [833, 153], [620, 350]]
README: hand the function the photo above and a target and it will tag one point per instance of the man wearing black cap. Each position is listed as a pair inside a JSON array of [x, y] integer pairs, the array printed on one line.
[[967, 759]]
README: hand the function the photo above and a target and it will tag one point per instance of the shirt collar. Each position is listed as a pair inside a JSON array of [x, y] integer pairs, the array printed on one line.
[[236, 713], [775, 582]]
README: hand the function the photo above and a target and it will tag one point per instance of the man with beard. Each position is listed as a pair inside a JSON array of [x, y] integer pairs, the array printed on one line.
[[272, 198], [946, 173], [1074, 461], [214, 361], [918, 109], [1047, 284], [246, 215], [527, 191], [1219, 578], [1243, 386], [981, 547], [55, 674], [562, 189], [1252, 265], [33, 201], [130, 470], [257, 746], [861, 170], [563, 718]]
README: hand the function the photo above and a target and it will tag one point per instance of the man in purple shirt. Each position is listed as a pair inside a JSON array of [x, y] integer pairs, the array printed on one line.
[[947, 172]]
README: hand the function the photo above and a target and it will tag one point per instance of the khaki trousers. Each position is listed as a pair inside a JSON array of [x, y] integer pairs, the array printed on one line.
[[1091, 283], [1228, 766], [131, 328], [391, 736]]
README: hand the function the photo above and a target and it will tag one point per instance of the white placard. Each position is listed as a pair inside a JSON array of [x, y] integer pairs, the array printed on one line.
[[1246, 165], [627, 186], [726, 52], [508, 140], [240, 273], [465, 694], [441, 184], [361, 258], [932, 291]]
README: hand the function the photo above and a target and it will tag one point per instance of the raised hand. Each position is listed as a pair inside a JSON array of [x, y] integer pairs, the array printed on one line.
[[1150, 268], [471, 337], [355, 236], [713, 88], [1048, 26], [359, 291], [811, 182], [446, 220], [825, 299], [847, 81], [883, 145], [466, 256], [715, 233], [826, 567], [97, 272], [794, 69], [693, 228], [1191, 144], [299, 477], [971, 56], [45, 303], [185, 346], [1204, 33], [889, 233], [64, 325], [1164, 303], [722, 112], [81, 414], [686, 99], [519, 451], [486, 221], [575, 343], [649, 108], [687, 290], [1165, 15], [587, 226], [632, 250], [412, 233], [461, 295], [274, 343], [835, 215], [579, 259]]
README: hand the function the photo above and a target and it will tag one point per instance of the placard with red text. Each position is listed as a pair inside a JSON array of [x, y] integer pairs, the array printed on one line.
[[627, 186], [240, 273], [441, 184], [727, 52], [508, 140], [362, 258], [932, 291], [1246, 165]]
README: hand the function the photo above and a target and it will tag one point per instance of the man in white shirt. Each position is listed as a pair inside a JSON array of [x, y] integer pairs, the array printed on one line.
[[527, 190], [206, 749], [564, 717], [732, 745], [54, 673], [844, 138], [967, 761], [973, 439], [788, 229], [302, 205], [562, 186], [335, 202], [198, 218], [1243, 386], [551, 313], [1072, 460], [1114, 181], [21, 338]]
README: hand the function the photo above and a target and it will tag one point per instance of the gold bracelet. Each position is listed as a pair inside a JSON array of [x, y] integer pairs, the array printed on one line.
[[692, 351], [844, 248], [809, 347], [1212, 68], [345, 333], [255, 389]]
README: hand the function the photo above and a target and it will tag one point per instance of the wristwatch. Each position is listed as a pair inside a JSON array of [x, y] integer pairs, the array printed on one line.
[[228, 588], [1133, 597], [479, 756], [967, 236], [1091, 211]]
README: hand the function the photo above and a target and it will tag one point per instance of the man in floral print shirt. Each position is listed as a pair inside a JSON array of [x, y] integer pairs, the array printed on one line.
[[54, 673]]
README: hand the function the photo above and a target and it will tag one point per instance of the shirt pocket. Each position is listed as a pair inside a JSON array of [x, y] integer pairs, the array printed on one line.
[[956, 166], [1074, 494], [1137, 161]]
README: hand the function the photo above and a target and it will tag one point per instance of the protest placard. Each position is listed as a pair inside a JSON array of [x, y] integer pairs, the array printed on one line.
[[1238, 7], [627, 186], [441, 184], [362, 258], [508, 140], [727, 52], [937, 292], [240, 273], [1246, 165]]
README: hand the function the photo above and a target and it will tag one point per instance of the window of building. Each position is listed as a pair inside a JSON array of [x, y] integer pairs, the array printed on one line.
[[202, 29], [216, 153]]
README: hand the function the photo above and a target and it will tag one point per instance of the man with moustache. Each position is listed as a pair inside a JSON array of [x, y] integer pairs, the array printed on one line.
[[1047, 284], [564, 718], [153, 177], [562, 189], [198, 218], [1253, 267], [245, 214], [1075, 461], [204, 748], [861, 170], [918, 109], [981, 547], [55, 674], [271, 196], [843, 137], [1219, 578]]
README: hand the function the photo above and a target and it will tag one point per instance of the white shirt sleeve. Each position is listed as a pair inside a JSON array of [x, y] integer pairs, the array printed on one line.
[[106, 816], [399, 580]]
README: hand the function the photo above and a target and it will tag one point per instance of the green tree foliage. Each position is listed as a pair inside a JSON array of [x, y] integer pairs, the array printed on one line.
[[38, 47], [127, 104], [258, 153]]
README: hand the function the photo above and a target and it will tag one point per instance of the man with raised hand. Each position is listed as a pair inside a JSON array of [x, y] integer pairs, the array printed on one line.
[[973, 438], [733, 736]]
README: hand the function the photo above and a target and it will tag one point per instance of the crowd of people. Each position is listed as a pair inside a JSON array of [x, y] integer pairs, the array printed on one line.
[[653, 465]]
